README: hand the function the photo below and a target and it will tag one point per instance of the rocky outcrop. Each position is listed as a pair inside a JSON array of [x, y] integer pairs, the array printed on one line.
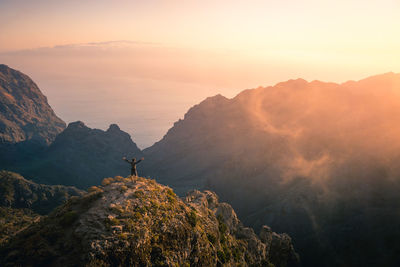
[[137, 222], [25, 114], [277, 248]]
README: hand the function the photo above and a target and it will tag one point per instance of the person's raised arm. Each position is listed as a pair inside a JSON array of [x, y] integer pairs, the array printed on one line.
[[124, 158], [139, 160]]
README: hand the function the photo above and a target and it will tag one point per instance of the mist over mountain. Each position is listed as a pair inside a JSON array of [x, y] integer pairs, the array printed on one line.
[[316, 160]]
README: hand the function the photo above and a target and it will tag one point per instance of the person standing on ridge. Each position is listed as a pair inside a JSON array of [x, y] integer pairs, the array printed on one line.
[[133, 163]]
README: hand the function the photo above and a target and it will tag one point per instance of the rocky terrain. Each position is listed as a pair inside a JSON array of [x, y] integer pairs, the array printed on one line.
[[316, 160], [25, 114], [137, 222]]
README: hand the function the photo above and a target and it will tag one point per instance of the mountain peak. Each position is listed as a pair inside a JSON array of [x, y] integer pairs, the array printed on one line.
[[215, 99], [299, 82], [135, 221], [206, 105], [77, 125], [114, 128], [4, 67]]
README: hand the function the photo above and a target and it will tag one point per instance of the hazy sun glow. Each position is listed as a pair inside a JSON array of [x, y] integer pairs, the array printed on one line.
[[189, 50]]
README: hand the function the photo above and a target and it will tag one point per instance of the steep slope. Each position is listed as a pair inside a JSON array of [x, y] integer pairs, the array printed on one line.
[[316, 160], [23, 202], [24, 112], [81, 156], [137, 222]]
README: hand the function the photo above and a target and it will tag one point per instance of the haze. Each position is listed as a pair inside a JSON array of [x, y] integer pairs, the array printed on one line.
[[175, 53]]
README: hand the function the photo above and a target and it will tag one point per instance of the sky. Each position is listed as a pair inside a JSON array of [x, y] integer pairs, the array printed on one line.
[[143, 64]]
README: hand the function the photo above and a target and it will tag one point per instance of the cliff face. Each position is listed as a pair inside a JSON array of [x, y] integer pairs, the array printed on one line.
[[25, 114], [137, 222], [316, 160], [82, 156]]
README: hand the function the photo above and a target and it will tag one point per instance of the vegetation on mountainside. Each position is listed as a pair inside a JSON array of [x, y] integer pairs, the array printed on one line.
[[13, 221], [17, 192], [23, 202], [138, 222]]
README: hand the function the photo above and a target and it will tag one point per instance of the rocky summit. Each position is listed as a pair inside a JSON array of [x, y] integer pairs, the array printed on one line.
[[138, 222], [25, 114]]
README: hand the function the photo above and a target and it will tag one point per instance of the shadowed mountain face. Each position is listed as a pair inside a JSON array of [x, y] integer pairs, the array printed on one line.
[[137, 222], [316, 160], [25, 114], [82, 157]]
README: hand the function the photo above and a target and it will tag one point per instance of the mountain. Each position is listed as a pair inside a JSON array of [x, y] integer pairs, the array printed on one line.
[[18, 193], [24, 202], [35, 142], [316, 160], [82, 157], [25, 114], [27, 122], [137, 222]]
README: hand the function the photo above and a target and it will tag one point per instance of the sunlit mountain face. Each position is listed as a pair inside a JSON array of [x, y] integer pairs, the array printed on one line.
[[317, 160]]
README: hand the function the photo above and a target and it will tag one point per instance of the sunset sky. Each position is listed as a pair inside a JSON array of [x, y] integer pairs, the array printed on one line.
[[158, 58]]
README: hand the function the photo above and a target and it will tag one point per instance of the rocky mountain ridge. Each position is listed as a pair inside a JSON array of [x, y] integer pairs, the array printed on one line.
[[137, 222]]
